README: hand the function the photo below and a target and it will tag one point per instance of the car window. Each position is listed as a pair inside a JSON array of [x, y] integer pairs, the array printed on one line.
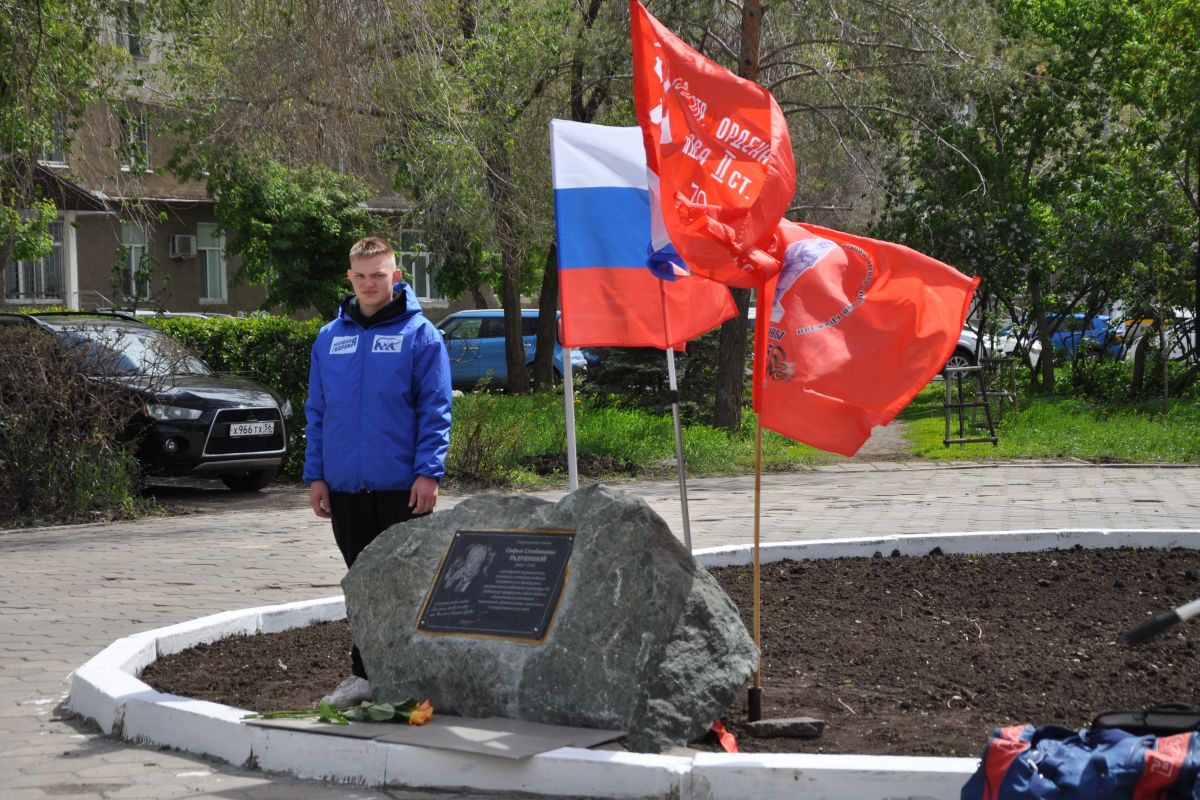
[[146, 351], [529, 326], [492, 328], [462, 329]]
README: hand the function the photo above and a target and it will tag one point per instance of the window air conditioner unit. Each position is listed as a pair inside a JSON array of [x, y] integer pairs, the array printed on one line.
[[182, 246]]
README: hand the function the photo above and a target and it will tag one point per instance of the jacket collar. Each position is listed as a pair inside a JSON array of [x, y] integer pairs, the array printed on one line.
[[403, 304]]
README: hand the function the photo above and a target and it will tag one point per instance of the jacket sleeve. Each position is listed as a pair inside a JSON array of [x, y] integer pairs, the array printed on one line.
[[314, 413], [432, 399]]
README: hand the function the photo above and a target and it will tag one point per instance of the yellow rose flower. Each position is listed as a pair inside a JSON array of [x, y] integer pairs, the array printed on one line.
[[421, 714]]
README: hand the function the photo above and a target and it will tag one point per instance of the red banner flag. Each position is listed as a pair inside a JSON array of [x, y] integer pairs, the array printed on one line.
[[848, 332], [718, 155]]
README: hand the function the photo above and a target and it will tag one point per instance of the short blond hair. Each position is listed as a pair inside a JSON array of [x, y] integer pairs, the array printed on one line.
[[371, 246]]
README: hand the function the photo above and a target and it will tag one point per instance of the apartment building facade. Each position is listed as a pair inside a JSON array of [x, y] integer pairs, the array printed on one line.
[[129, 234]]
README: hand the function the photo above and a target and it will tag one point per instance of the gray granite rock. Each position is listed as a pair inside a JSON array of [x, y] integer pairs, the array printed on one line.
[[645, 640], [797, 727]]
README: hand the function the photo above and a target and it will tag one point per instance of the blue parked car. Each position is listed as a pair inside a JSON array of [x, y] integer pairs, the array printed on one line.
[[475, 340], [1097, 333], [1094, 333]]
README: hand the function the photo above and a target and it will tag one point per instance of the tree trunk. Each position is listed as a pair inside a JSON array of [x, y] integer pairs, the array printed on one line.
[[731, 366], [1137, 383], [731, 358], [477, 296], [584, 105], [547, 329], [514, 343], [499, 189], [1045, 370], [1196, 300]]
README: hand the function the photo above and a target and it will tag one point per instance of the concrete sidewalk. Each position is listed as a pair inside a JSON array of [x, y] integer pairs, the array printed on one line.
[[69, 592]]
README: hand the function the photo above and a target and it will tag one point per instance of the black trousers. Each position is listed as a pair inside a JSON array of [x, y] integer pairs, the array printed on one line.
[[358, 517]]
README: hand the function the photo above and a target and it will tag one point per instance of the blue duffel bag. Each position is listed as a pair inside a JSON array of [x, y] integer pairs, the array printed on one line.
[[1056, 763]]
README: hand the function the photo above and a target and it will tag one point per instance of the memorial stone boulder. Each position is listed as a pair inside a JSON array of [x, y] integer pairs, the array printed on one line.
[[640, 639]]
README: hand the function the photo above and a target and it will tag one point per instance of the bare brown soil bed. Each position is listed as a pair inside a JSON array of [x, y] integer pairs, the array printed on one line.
[[900, 656]]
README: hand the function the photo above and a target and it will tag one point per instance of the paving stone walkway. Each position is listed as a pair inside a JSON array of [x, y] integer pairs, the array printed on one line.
[[68, 592]]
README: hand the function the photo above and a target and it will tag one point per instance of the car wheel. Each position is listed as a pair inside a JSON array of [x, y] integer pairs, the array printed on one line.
[[249, 480], [961, 358]]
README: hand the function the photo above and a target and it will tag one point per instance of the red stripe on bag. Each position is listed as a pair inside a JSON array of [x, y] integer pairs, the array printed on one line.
[[1162, 766], [1001, 753]]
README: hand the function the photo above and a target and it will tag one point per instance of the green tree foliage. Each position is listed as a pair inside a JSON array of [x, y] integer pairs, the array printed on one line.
[[292, 228], [483, 167], [54, 64], [282, 105], [485, 80], [306, 82], [1017, 185], [1158, 76]]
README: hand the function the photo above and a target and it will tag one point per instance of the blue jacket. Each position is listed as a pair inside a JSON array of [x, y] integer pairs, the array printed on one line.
[[379, 401]]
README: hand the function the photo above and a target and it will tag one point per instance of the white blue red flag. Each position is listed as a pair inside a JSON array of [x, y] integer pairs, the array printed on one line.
[[611, 279]]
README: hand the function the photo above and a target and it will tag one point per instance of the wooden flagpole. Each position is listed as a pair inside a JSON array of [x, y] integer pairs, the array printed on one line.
[[754, 696]]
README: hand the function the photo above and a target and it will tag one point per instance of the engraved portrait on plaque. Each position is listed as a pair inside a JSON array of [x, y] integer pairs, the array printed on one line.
[[502, 584]]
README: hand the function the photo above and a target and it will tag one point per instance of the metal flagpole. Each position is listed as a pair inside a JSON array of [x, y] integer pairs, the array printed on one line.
[[569, 409], [687, 526], [754, 696]]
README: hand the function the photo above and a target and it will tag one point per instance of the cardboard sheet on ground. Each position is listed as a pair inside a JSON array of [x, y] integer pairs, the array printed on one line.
[[355, 730], [496, 736]]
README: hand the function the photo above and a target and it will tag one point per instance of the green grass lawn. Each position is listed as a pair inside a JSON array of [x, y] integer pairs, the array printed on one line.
[[498, 438], [1050, 427], [505, 433]]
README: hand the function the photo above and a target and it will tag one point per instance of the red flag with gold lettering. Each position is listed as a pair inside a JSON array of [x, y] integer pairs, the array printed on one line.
[[851, 329], [718, 155]]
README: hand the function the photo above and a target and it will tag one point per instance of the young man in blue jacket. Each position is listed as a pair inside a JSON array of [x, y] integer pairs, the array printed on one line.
[[378, 416]]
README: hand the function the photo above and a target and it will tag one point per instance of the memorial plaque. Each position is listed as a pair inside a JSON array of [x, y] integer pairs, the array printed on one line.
[[503, 584]]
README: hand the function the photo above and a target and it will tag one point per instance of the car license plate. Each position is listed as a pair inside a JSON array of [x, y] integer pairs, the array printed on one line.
[[251, 428]]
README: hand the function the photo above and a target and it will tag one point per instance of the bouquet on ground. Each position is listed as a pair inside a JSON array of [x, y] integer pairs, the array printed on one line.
[[409, 711]]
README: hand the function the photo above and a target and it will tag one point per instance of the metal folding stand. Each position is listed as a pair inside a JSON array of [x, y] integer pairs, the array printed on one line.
[[956, 400], [1000, 377]]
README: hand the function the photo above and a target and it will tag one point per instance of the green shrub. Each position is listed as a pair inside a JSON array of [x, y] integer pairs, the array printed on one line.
[[272, 350], [493, 432], [636, 378], [61, 455]]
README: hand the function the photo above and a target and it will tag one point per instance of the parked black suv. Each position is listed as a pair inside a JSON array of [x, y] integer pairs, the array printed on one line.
[[194, 421]]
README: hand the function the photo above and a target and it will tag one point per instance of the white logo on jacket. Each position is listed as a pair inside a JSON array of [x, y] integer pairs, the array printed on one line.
[[387, 344], [343, 345]]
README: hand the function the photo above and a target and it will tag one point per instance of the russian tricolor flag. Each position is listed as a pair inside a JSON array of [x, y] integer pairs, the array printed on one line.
[[610, 295]]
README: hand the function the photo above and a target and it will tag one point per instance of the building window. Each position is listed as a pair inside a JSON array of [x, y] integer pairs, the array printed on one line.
[[136, 262], [130, 33], [417, 264], [54, 153], [135, 139], [210, 251], [40, 279]]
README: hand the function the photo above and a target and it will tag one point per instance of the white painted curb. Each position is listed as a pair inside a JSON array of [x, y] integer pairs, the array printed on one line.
[[106, 690]]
